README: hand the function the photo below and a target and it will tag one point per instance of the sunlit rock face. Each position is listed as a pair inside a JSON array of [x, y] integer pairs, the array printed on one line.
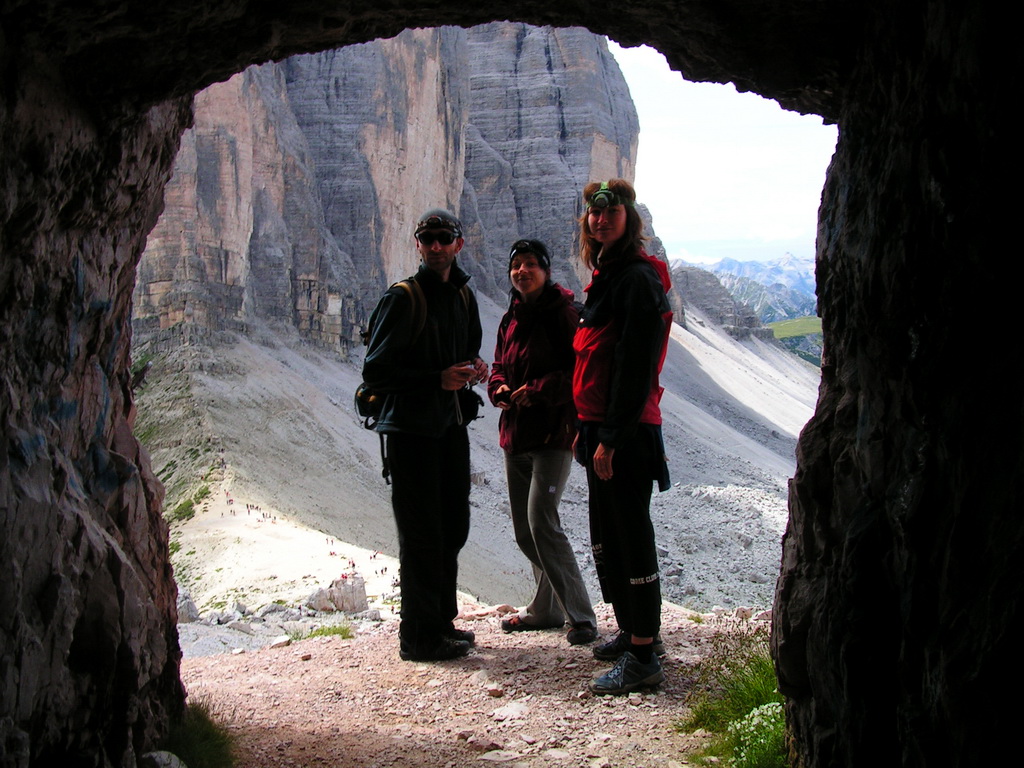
[[549, 112], [899, 601], [295, 194], [242, 235]]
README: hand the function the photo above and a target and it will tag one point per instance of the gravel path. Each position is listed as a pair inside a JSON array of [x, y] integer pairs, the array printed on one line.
[[279, 418], [519, 699]]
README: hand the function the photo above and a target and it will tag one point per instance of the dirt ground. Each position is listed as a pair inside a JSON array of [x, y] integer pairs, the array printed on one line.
[[519, 699]]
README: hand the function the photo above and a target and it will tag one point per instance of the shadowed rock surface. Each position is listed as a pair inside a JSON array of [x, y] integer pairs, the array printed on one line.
[[898, 611]]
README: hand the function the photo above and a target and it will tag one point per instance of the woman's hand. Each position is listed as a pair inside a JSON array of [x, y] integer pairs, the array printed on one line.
[[503, 404], [603, 461], [521, 397]]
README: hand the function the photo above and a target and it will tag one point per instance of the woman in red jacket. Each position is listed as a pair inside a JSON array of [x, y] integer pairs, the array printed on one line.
[[620, 348], [531, 382]]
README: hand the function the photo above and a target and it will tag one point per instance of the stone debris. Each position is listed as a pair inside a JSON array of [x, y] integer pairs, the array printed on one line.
[[160, 759], [241, 626], [483, 744], [346, 593], [187, 611], [512, 710], [500, 756], [443, 714]]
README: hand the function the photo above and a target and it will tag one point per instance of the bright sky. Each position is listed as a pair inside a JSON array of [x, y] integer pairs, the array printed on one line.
[[725, 174]]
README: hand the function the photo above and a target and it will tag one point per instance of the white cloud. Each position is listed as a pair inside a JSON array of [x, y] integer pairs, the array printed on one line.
[[722, 172]]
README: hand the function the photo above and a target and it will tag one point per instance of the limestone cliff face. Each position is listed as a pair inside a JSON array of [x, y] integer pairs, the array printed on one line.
[[384, 123], [295, 194], [549, 111], [242, 234]]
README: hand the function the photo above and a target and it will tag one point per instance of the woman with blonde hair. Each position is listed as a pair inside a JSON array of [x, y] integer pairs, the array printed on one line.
[[620, 349]]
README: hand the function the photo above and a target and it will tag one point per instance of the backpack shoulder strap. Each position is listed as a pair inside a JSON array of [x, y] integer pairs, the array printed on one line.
[[419, 305]]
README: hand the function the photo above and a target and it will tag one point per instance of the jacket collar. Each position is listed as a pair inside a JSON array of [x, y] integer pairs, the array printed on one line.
[[456, 276]]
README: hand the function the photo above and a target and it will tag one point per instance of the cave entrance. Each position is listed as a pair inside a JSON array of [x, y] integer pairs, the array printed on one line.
[[235, 217]]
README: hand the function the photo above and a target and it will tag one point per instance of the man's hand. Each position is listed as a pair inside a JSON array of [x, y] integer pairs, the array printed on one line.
[[457, 376], [480, 367]]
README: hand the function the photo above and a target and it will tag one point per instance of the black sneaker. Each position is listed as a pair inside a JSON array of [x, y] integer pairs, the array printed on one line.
[[465, 635], [618, 645], [445, 649], [581, 634], [627, 675]]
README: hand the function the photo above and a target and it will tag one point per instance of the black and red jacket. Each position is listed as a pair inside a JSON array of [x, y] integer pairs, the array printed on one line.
[[534, 348], [620, 347]]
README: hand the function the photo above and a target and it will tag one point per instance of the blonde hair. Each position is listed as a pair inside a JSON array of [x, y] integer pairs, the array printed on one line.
[[627, 246]]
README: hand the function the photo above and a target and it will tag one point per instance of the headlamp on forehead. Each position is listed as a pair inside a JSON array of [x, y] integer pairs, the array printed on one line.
[[439, 218], [604, 197], [534, 247]]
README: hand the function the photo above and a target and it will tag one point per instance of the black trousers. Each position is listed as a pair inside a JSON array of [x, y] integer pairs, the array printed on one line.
[[621, 533], [430, 498]]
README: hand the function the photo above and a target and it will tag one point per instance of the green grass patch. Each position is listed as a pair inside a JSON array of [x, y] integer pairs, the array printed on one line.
[[146, 434], [199, 740], [167, 471], [343, 631], [186, 510], [202, 493], [758, 739], [800, 326], [140, 362], [736, 697]]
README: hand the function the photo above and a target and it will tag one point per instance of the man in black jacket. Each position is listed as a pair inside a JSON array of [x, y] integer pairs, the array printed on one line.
[[423, 349]]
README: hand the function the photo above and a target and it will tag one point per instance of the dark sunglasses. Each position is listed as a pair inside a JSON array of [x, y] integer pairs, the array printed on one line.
[[429, 238]]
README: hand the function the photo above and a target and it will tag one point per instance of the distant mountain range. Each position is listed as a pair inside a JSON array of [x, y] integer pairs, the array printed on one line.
[[781, 289]]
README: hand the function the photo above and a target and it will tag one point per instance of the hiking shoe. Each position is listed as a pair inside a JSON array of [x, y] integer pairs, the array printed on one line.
[[618, 645], [581, 634], [516, 624], [627, 675], [446, 648], [465, 635]]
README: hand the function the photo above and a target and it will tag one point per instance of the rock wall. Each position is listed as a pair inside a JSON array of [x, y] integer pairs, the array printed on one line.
[[899, 609], [294, 196], [385, 125], [88, 649], [549, 112], [899, 606], [242, 235], [704, 290]]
